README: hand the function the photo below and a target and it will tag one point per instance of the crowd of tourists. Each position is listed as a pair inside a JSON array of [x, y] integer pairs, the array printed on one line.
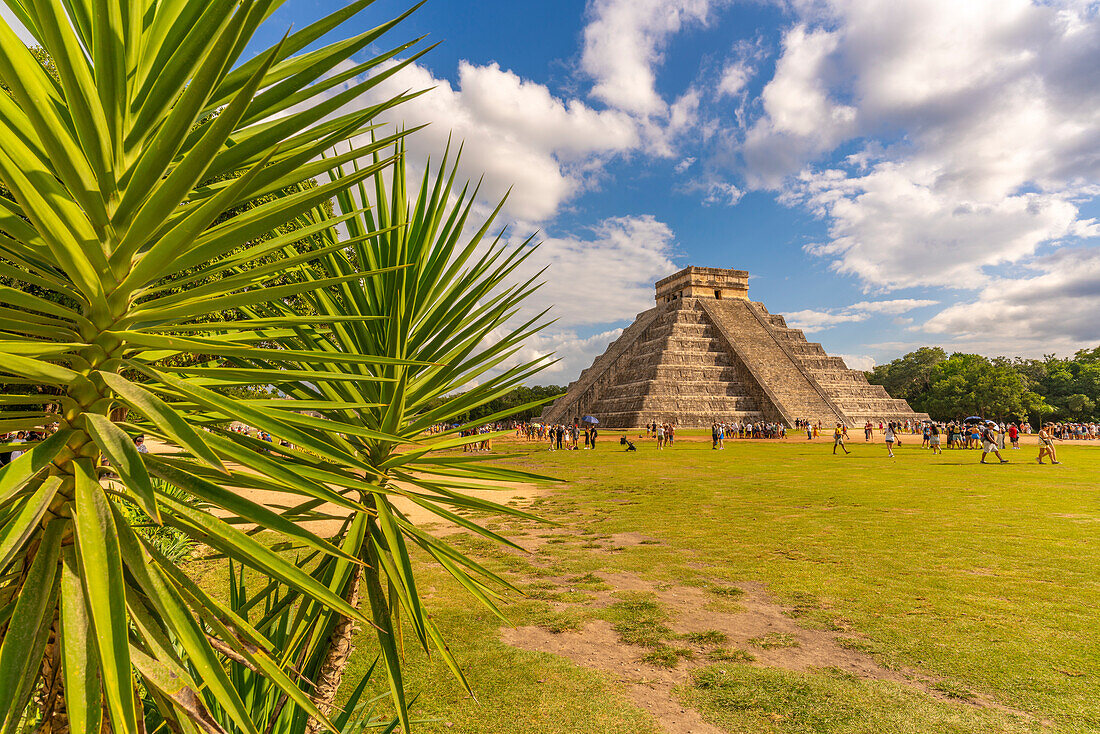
[[720, 431], [990, 437]]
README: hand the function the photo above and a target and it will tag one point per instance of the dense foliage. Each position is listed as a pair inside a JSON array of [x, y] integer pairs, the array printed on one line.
[[522, 398], [1051, 388]]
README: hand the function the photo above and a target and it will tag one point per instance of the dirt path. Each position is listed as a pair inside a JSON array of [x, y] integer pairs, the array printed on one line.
[[692, 609], [520, 494]]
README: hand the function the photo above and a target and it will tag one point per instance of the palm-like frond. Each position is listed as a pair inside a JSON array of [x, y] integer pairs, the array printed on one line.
[[119, 173], [440, 297]]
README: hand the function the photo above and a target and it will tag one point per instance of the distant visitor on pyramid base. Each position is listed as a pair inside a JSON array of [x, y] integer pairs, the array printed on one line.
[[707, 353]]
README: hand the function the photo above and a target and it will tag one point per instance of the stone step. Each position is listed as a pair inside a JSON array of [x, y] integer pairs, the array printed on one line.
[[840, 377], [701, 403], [686, 316], [759, 347], [683, 343], [823, 363], [806, 350], [684, 357], [673, 387], [874, 407], [867, 392], [685, 373]]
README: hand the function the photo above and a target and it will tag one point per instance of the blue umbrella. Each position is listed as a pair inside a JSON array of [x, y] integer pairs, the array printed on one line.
[[974, 419], [590, 419]]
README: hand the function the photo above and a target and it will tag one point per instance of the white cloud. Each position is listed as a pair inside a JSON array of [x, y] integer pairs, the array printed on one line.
[[624, 43], [574, 353], [812, 320], [722, 192], [894, 306], [514, 133], [858, 361], [800, 119], [734, 78], [685, 164], [977, 128], [1051, 309], [606, 277]]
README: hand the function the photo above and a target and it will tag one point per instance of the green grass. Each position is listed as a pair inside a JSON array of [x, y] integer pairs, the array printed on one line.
[[742, 698], [981, 575], [982, 578], [639, 621], [706, 637]]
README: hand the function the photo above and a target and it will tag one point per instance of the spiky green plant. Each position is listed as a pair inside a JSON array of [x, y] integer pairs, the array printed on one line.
[[117, 175], [443, 296]]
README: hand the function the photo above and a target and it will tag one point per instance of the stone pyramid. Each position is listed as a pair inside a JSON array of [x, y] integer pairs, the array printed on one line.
[[706, 353]]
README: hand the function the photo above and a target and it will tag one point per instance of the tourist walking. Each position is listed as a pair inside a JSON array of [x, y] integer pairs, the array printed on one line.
[[838, 439], [989, 442], [934, 438], [1014, 435], [1046, 445], [660, 435], [890, 438]]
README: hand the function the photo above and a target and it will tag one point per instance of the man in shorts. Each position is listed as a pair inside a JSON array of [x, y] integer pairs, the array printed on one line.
[[838, 439], [989, 442]]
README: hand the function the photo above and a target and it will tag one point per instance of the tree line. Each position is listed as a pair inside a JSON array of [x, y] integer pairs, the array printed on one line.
[[1012, 388]]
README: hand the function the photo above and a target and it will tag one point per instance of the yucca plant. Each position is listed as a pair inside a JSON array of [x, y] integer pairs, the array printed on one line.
[[441, 297], [296, 628], [116, 177]]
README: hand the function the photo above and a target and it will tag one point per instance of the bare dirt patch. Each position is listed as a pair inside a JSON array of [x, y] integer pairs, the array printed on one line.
[[756, 617], [597, 646]]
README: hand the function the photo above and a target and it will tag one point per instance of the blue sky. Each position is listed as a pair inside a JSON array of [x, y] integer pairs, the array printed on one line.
[[891, 172]]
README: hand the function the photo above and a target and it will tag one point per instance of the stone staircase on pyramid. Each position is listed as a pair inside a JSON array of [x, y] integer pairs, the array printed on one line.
[[707, 353]]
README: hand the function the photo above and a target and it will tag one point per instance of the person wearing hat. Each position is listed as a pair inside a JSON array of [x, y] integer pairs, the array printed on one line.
[[989, 442], [838, 439]]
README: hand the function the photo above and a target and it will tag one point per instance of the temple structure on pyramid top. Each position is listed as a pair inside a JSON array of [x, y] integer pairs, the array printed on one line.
[[707, 353]]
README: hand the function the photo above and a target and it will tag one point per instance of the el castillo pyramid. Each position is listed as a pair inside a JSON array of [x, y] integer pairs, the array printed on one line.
[[706, 352]]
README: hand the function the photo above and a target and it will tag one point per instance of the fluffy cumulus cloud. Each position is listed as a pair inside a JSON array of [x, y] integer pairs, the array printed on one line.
[[605, 275], [811, 320], [734, 77], [972, 140], [601, 276], [514, 132], [858, 361], [567, 353], [1051, 309], [623, 45]]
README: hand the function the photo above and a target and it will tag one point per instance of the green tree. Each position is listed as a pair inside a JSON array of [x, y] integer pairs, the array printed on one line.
[[967, 384], [908, 377]]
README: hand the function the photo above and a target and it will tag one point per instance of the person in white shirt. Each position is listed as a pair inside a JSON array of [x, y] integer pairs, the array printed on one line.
[[890, 438], [19, 438]]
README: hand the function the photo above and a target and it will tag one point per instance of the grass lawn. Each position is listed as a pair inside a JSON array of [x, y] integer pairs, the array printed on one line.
[[972, 590]]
